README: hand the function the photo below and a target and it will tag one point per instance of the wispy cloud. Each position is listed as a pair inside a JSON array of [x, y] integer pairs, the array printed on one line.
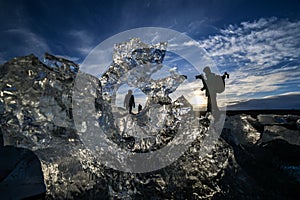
[[261, 43], [247, 85], [284, 94], [262, 56], [71, 58], [25, 42], [84, 41]]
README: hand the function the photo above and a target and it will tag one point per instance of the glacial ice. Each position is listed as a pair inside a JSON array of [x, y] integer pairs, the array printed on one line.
[[134, 64], [36, 113], [36, 110], [240, 131]]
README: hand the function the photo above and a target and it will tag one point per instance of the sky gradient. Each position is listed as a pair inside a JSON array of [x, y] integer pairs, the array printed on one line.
[[257, 42]]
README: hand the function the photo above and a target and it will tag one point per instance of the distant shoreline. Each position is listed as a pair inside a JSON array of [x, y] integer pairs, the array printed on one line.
[[257, 112], [254, 113]]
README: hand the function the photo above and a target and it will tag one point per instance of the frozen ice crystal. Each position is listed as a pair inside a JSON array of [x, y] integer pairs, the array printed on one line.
[[134, 64], [36, 113]]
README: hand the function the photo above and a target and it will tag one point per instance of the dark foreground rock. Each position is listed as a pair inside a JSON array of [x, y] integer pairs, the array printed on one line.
[[21, 174], [271, 166]]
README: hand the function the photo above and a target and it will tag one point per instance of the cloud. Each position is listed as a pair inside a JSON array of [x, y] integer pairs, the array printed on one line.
[[262, 56], [24, 42], [283, 101], [84, 41], [262, 43], [71, 58], [191, 91], [284, 94], [248, 85]]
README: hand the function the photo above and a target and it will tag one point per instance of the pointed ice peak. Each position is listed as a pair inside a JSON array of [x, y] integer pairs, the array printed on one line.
[[182, 100], [139, 52]]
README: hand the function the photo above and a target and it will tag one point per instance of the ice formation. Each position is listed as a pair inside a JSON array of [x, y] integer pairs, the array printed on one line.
[[36, 113], [134, 64]]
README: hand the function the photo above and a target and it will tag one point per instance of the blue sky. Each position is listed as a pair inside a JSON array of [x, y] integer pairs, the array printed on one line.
[[258, 42]]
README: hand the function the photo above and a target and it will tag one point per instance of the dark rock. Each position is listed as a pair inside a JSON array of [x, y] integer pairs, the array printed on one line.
[[21, 174], [289, 153], [278, 132]]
